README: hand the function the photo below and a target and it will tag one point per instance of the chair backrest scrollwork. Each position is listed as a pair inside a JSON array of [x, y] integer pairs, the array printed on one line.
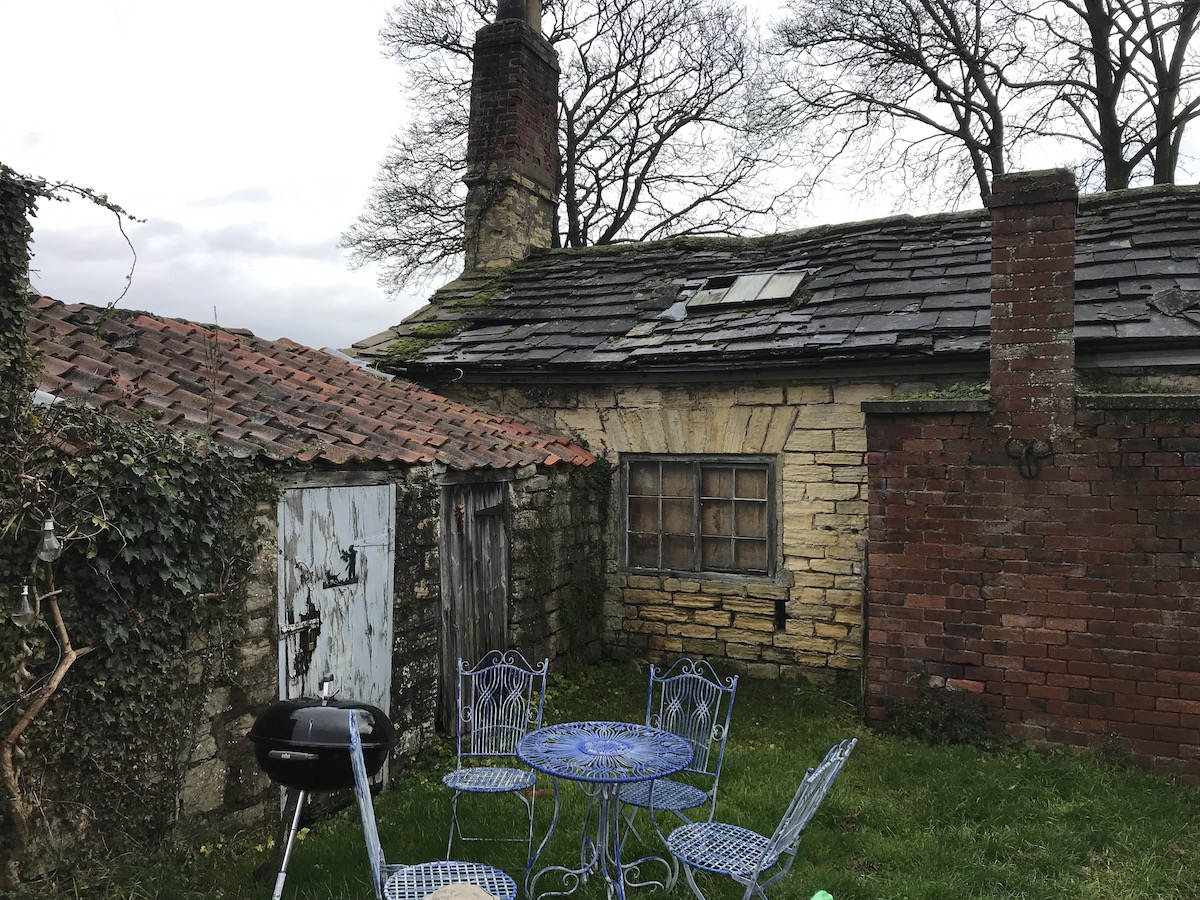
[[689, 699], [500, 699]]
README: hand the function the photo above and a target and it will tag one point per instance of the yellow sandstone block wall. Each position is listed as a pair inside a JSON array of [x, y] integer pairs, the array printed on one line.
[[816, 433]]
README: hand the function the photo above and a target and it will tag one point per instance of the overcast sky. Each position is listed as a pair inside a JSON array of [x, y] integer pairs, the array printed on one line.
[[245, 134]]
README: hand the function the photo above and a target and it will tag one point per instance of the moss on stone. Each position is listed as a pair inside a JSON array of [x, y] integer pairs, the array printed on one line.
[[419, 338], [960, 390]]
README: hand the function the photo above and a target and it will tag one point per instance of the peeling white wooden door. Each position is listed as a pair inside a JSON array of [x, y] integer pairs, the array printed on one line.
[[336, 552]]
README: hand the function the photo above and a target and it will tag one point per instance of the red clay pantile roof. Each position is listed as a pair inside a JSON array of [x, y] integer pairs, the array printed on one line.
[[277, 398]]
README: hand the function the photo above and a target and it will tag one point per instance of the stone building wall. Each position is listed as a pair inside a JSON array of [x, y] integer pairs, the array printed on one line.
[[556, 591], [205, 773], [223, 788], [415, 622], [557, 563], [222, 785], [807, 619]]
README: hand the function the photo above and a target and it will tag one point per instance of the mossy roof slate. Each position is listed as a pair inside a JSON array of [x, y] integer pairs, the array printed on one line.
[[886, 291]]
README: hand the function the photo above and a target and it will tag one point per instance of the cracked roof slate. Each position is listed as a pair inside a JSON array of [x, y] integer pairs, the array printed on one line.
[[279, 399], [887, 290]]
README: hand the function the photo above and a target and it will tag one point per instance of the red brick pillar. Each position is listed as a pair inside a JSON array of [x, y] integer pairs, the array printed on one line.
[[1033, 303], [512, 141]]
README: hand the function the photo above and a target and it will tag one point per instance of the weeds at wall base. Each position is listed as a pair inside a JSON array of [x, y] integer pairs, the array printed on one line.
[[941, 717]]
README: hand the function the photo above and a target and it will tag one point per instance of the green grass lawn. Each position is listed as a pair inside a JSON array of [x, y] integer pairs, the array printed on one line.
[[905, 820]]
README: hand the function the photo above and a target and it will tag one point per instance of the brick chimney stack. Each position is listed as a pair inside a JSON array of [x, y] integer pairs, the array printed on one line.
[[512, 142], [1033, 303]]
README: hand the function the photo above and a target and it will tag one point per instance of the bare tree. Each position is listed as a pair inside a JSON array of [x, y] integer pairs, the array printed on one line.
[[1127, 76], [668, 126], [919, 89], [945, 93]]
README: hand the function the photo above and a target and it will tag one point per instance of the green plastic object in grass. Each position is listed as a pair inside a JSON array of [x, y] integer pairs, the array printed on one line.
[[822, 895]]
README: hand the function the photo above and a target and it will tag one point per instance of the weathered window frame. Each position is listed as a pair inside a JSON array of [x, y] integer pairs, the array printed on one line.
[[705, 550]]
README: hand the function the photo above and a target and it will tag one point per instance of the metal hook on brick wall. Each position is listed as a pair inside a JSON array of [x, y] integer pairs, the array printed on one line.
[[1029, 453]]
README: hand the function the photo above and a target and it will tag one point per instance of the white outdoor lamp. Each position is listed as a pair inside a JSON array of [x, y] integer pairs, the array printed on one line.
[[50, 547], [24, 614]]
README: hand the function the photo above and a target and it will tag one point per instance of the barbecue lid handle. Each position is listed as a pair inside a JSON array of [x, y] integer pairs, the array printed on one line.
[[326, 692], [293, 755]]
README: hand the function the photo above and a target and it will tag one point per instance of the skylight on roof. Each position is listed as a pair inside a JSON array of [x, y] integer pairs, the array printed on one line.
[[749, 288]]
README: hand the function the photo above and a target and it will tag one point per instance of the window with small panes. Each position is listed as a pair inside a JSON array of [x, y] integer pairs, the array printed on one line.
[[699, 514]]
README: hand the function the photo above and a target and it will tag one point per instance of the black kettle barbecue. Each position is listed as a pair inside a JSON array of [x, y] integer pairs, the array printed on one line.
[[304, 744]]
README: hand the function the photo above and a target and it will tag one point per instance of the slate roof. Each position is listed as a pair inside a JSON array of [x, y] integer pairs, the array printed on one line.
[[276, 398], [891, 290]]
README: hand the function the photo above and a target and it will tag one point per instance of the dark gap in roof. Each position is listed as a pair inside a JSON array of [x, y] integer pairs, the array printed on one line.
[[127, 341]]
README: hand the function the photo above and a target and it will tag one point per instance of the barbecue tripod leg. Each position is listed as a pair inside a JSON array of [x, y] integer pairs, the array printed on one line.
[[287, 850], [266, 870]]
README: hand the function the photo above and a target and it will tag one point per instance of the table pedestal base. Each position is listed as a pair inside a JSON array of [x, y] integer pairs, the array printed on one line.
[[599, 855]]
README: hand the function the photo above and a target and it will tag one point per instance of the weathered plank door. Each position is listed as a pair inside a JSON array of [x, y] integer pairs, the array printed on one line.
[[336, 552], [474, 614]]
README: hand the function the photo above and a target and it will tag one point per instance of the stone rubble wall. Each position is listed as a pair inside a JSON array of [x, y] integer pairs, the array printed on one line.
[[555, 601], [557, 571], [223, 788], [222, 784]]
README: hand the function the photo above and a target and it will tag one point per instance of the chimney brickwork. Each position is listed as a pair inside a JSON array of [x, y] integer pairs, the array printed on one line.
[[1033, 302], [512, 143]]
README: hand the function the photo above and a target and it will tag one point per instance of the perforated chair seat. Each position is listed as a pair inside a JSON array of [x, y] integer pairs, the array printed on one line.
[[415, 882], [490, 779], [397, 882], [668, 794], [721, 848]]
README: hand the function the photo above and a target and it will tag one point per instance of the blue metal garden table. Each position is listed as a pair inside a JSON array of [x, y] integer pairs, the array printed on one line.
[[601, 756]]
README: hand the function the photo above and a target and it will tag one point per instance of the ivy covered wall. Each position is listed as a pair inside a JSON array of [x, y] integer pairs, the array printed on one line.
[[125, 629]]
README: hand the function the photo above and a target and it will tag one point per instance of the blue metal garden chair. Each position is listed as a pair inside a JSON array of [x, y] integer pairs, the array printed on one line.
[[392, 882], [688, 699], [750, 858], [499, 700]]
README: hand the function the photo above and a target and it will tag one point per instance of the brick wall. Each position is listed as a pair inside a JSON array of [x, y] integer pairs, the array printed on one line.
[[1032, 359], [1069, 602], [1041, 551]]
